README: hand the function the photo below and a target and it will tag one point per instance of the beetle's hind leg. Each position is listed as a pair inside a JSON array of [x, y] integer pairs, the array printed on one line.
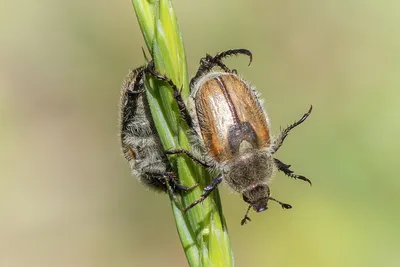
[[208, 62], [207, 191], [218, 57], [177, 93], [284, 133], [285, 169], [133, 82]]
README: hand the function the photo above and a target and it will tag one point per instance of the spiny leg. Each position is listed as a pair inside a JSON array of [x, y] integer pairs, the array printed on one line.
[[217, 60], [134, 77], [177, 93], [207, 191], [138, 85], [171, 190], [246, 218], [132, 88], [284, 205], [208, 62], [189, 154], [168, 178], [176, 184], [282, 136], [218, 57], [285, 169]]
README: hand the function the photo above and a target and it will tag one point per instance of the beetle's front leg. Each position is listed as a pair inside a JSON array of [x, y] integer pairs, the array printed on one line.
[[207, 191], [285, 169]]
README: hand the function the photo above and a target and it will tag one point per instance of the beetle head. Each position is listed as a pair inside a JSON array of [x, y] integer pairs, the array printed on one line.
[[257, 197]]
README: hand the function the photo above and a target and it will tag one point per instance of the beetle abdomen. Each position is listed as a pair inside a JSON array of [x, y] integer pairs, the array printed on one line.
[[140, 142]]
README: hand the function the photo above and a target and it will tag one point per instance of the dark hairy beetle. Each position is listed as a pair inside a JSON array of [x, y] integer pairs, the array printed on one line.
[[232, 131], [140, 141]]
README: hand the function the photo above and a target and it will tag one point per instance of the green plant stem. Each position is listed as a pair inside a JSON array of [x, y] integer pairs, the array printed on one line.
[[202, 230]]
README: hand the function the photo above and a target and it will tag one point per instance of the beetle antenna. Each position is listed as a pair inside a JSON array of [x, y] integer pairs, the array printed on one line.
[[284, 205], [246, 218]]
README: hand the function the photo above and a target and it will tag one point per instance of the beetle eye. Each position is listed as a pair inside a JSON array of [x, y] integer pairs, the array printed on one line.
[[262, 209], [260, 205]]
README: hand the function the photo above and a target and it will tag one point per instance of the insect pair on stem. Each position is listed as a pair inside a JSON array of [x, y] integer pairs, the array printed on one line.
[[229, 125]]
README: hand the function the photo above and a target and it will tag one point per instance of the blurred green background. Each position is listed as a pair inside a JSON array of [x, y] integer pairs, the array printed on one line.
[[66, 194]]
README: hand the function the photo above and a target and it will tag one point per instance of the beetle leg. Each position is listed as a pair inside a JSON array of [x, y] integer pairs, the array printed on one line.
[[177, 93], [180, 187], [285, 169], [134, 77], [207, 191], [172, 185], [284, 205], [138, 85], [175, 183], [208, 62], [132, 87], [171, 178], [282, 136], [189, 154], [231, 52]]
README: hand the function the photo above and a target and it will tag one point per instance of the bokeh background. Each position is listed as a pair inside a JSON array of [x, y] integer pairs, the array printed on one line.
[[66, 194]]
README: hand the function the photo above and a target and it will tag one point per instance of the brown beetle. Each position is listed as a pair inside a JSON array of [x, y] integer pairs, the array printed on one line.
[[233, 133], [140, 141]]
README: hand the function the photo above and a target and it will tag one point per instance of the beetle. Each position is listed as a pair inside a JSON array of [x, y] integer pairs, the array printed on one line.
[[140, 142], [232, 131]]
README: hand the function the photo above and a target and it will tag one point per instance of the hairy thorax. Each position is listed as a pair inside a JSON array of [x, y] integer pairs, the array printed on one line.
[[248, 170]]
